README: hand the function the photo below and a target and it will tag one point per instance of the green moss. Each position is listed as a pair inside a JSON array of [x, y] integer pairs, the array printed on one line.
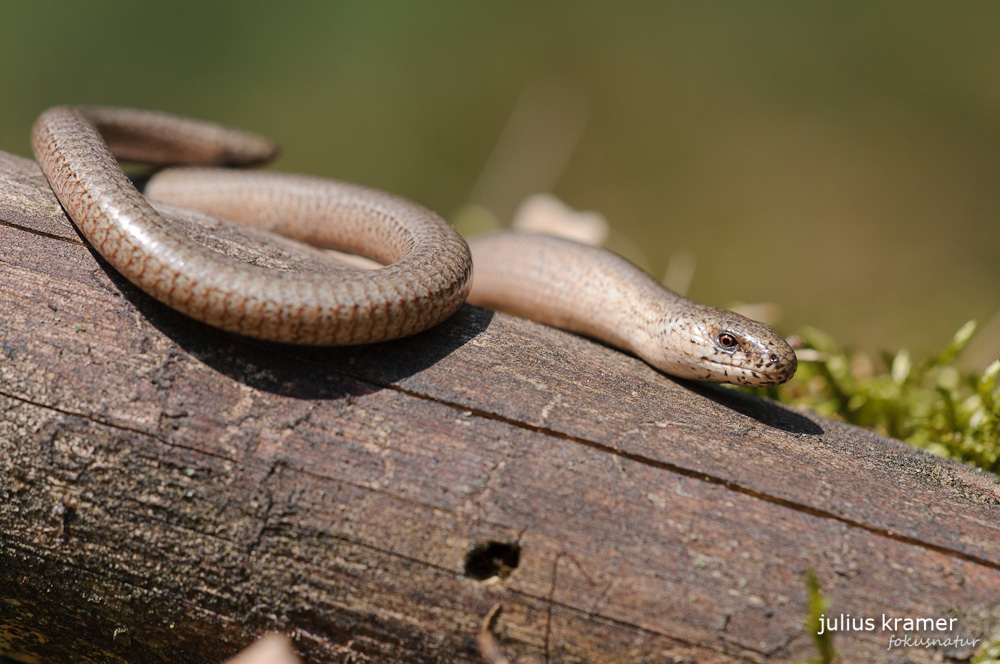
[[818, 606], [932, 403], [988, 654]]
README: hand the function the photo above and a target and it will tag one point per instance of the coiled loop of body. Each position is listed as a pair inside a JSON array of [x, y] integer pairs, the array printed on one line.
[[427, 273]]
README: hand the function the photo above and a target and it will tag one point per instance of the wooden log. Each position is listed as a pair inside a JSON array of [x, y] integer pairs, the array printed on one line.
[[168, 491]]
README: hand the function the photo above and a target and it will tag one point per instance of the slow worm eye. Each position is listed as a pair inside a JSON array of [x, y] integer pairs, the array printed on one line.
[[727, 340]]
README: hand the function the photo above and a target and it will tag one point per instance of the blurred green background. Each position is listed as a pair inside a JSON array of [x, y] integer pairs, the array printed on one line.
[[841, 160]]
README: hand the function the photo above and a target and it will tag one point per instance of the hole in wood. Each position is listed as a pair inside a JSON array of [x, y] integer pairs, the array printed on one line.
[[493, 559]]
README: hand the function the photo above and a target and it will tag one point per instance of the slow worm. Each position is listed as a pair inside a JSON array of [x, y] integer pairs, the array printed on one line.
[[427, 265]]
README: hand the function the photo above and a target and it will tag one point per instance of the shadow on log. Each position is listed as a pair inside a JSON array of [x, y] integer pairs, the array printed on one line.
[[168, 492]]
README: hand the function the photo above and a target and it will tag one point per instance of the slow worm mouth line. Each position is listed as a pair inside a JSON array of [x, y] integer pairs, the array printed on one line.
[[559, 282]]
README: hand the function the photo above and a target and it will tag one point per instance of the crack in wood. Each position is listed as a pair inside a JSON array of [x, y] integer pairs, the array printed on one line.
[[699, 475], [637, 458], [44, 234]]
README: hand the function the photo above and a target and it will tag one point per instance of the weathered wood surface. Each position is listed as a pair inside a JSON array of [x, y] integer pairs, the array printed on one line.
[[167, 491]]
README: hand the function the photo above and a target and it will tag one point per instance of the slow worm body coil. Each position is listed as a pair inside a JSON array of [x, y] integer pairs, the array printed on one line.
[[427, 273], [429, 269]]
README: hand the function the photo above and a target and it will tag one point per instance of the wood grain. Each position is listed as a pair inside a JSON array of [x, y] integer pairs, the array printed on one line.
[[168, 491]]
